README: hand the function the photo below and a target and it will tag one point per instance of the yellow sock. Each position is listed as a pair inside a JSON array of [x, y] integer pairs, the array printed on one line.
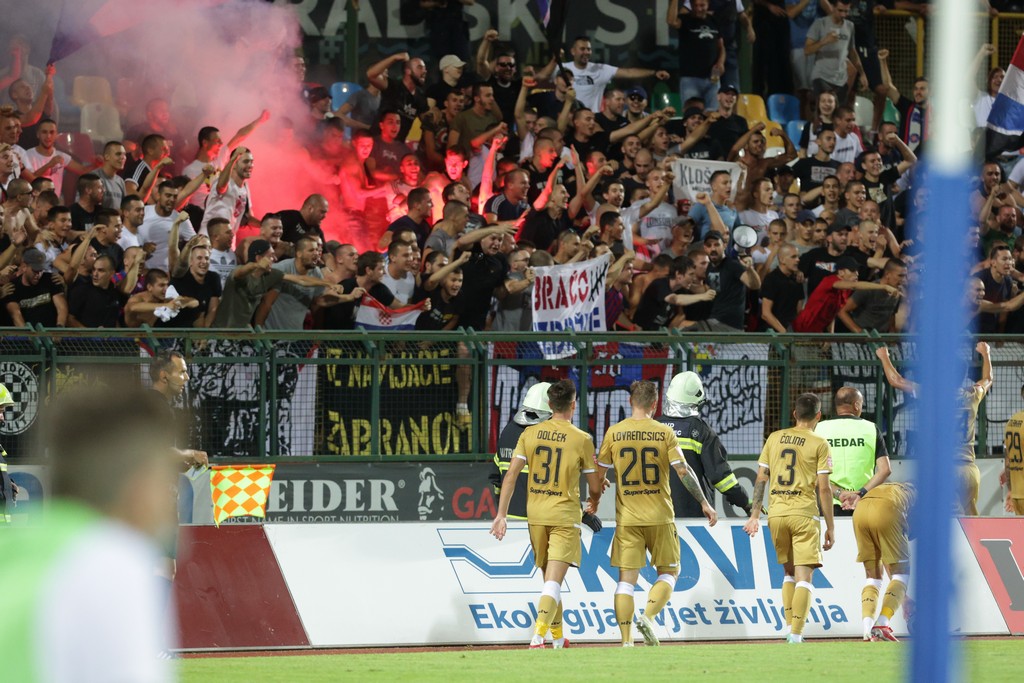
[[659, 595], [545, 614], [624, 608], [801, 606], [556, 622], [869, 601], [788, 587], [894, 594]]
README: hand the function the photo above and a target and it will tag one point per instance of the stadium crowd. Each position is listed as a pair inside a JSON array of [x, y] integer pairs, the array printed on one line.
[[467, 176]]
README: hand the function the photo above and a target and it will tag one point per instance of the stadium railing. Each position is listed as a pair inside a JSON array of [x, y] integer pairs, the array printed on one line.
[[331, 396]]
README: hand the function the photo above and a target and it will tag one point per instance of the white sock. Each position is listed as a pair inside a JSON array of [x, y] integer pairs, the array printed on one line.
[[868, 623]]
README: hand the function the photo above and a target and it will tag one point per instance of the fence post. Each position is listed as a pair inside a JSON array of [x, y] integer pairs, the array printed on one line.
[[375, 398], [479, 428], [584, 350]]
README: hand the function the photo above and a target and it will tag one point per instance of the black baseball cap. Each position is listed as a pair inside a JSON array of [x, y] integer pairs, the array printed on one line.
[[847, 263], [836, 227], [713, 235], [725, 87], [34, 259], [258, 248]]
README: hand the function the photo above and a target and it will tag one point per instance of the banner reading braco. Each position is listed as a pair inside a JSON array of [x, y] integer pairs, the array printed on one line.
[[569, 297], [417, 402]]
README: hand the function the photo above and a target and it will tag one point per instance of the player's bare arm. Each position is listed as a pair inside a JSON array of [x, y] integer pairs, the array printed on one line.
[[597, 483], [756, 501], [693, 486], [825, 500]]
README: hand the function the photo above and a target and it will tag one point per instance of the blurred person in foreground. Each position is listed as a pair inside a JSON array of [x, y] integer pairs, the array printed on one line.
[[88, 606]]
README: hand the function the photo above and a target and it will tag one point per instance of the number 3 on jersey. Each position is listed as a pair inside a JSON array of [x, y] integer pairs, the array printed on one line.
[[788, 475], [546, 453]]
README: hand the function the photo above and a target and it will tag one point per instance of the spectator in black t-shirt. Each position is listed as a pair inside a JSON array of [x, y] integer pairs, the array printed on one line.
[[697, 144], [701, 52], [730, 126], [404, 95], [306, 220], [782, 292], [654, 311], [98, 303], [90, 199], [820, 262], [444, 311], [542, 227], [611, 116], [108, 231], [369, 272], [421, 208], [487, 276], [197, 283], [812, 171], [37, 299], [730, 278]]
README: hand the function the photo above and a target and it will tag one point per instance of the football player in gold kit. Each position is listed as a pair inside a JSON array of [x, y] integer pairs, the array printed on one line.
[[796, 463], [557, 452], [641, 450], [881, 529], [1013, 473]]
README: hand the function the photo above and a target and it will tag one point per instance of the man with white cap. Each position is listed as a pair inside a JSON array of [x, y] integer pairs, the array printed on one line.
[[705, 454], [451, 71], [533, 410], [8, 489]]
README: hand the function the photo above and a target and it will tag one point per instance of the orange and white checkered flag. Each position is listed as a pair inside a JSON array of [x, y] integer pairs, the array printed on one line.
[[240, 490]]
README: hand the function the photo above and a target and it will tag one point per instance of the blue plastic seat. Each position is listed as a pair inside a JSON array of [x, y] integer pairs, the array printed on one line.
[[794, 129], [783, 108], [341, 91]]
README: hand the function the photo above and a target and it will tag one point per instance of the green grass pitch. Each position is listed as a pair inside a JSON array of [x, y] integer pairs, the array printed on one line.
[[836, 662]]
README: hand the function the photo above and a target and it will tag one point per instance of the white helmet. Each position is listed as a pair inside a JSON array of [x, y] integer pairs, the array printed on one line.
[[535, 406], [686, 388], [536, 398]]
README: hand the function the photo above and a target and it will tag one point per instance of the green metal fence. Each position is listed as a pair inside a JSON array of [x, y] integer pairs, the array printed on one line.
[[392, 396]]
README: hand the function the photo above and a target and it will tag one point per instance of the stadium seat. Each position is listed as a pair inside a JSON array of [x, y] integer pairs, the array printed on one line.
[[101, 122], [666, 98], [86, 89], [864, 109], [751, 107], [783, 108], [415, 131], [80, 146], [772, 141], [891, 113], [794, 129], [341, 91], [68, 110]]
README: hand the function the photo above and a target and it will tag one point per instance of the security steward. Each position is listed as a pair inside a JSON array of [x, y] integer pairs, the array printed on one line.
[[704, 452], [533, 410], [860, 461]]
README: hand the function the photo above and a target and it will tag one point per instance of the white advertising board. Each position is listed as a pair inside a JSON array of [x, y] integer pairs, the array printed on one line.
[[452, 583]]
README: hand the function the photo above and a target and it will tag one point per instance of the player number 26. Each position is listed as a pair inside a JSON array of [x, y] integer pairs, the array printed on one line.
[[649, 471]]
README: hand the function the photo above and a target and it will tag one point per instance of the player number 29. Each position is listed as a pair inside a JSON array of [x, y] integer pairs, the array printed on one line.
[[1012, 446], [545, 452], [649, 472]]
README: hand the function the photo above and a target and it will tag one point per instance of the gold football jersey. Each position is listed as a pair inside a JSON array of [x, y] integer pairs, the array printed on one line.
[[642, 453], [556, 452], [794, 458]]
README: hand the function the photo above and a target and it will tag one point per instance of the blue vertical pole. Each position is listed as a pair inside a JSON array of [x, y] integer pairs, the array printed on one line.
[[941, 335]]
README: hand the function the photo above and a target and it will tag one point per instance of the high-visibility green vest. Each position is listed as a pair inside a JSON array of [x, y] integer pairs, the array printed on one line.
[[28, 557], [852, 443]]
